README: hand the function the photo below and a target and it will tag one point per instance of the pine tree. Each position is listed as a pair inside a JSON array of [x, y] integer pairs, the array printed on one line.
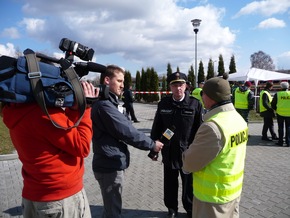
[[210, 69], [169, 72], [138, 86], [232, 66], [153, 85], [127, 80], [143, 84], [201, 76], [191, 77], [221, 67], [164, 86]]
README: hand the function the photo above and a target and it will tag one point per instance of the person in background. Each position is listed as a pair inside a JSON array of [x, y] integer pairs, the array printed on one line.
[[281, 104], [112, 133], [267, 112], [188, 87], [225, 76], [197, 92], [217, 155], [52, 158], [128, 103], [185, 113], [234, 85], [243, 100]]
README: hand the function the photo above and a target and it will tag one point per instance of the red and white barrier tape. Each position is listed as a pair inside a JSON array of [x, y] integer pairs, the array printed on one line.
[[152, 92]]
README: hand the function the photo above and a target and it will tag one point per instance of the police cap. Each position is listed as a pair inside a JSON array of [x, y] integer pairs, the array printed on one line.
[[176, 77]]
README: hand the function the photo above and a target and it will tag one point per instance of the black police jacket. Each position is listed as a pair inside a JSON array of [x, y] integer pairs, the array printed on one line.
[[186, 116]]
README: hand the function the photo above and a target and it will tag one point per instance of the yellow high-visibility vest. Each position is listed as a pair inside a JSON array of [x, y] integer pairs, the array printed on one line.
[[283, 103], [262, 108], [221, 180], [197, 94], [241, 99]]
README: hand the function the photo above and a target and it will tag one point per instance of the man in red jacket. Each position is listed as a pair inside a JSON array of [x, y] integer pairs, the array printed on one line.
[[52, 158]]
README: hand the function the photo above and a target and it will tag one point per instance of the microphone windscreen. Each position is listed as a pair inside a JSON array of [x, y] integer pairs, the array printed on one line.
[[96, 67]]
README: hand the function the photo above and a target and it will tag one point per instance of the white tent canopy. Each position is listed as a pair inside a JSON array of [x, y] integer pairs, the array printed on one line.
[[255, 74]]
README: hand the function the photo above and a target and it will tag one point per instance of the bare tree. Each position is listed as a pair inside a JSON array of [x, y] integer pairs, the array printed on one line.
[[261, 60]]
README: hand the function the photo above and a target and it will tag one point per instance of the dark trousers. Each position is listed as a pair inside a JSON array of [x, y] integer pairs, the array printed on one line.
[[281, 121], [130, 110], [268, 125], [171, 189], [111, 185], [244, 113]]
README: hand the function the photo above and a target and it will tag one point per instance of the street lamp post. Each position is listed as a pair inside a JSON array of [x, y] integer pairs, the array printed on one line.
[[195, 24]]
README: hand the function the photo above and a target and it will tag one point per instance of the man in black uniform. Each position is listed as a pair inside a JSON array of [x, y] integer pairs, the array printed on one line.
[[185, 113]]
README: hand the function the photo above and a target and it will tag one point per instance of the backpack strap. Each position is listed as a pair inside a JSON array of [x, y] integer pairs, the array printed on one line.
[[34, 76]]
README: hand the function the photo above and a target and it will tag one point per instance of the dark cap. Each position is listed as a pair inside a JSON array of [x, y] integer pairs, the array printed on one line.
[[176, 77], [248, 84], [218, 89]]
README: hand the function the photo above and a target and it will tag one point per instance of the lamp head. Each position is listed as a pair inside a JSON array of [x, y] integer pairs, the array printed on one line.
[[195, 23]]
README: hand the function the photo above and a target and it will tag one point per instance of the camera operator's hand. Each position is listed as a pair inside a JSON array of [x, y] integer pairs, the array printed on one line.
[[158, 146], [89, 90]]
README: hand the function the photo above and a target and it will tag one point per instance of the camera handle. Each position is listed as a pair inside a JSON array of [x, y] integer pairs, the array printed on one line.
[[36, 85]]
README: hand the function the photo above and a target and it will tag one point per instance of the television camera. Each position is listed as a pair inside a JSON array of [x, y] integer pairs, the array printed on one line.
[[71, 49]]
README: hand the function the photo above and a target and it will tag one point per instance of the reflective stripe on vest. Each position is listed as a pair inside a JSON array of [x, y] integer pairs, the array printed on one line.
[[262, 108], [222, 179], [241, 99], [283, 103]]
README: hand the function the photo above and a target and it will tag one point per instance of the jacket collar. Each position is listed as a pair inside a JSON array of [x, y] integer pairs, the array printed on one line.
[[113, 98]]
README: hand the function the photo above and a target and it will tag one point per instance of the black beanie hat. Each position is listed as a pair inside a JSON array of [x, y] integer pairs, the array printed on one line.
[[218, 89]]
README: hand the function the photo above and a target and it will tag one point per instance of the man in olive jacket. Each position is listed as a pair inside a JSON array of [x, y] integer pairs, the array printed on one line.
[[216, 157]]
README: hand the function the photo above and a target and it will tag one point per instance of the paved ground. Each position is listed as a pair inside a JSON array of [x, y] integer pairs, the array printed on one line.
[[266, 191]]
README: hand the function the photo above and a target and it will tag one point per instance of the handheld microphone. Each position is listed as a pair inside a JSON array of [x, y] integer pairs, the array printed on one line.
[[91, 66], [165, 138]]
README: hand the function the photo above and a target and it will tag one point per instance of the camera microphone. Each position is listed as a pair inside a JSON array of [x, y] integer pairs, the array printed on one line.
[[91, 66], [47, 58], [165, 138]]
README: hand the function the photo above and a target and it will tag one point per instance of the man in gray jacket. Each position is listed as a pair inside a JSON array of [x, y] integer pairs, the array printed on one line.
[[112, 132]]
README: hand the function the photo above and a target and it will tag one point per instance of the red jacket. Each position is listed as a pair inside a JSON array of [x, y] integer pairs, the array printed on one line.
[[52, 158]]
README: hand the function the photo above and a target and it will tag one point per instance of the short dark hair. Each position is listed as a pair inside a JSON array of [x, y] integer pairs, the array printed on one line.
[[269, 85], [110, 72]]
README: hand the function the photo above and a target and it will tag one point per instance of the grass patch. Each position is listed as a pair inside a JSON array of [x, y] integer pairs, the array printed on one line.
[[6, 146], [254, 116]]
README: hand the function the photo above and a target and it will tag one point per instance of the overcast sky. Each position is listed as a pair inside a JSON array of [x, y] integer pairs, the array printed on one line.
[[137, 34]]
